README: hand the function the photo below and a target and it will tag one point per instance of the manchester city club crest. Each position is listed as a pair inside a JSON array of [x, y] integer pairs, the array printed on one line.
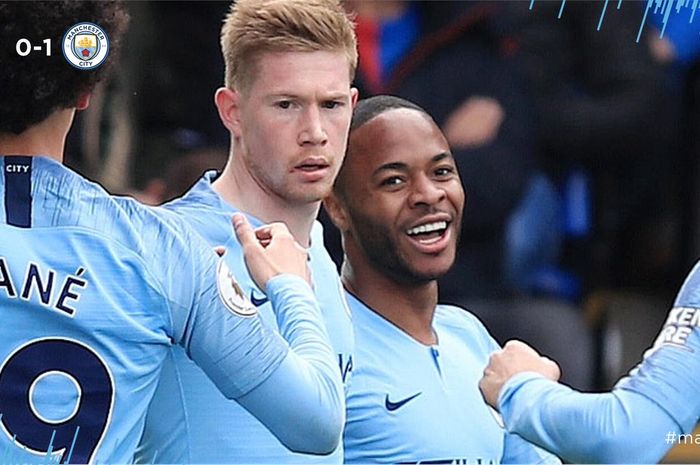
[[85, 45], [231, 293]]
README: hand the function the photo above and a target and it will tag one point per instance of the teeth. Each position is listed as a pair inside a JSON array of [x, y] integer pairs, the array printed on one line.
[[426, 228]]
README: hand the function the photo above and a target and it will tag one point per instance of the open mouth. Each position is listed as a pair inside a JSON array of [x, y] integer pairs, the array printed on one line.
[[428, 233]]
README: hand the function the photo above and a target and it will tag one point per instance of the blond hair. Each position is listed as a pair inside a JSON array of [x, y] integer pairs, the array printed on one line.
[[253, 27]]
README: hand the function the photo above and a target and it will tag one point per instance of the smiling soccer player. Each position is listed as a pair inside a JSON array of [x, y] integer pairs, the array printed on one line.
[[398, 203]]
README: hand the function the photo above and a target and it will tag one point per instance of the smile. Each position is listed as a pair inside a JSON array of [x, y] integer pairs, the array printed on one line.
[[428, 233]]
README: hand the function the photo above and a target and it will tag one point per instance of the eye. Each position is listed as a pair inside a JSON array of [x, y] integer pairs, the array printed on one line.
[[392, 181], [444, 171], [284, 104], [331, 104]]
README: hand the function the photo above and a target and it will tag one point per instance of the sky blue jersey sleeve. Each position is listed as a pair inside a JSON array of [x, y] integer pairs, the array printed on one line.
[[615, 427], [669, 374], [518, 450], [631, 423], [235, 351], [307, 381], [246, 359]]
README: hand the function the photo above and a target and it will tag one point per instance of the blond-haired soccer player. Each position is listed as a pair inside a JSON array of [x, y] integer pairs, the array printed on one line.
[[287, 103]]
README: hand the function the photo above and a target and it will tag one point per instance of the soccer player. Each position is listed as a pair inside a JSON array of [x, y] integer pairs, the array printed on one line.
[[287, 103], [636, 422], [398, 203], [95, 289]]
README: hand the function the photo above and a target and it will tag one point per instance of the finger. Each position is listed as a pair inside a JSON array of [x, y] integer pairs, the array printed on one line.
[[263, 233], [519, 346], [553, 367], [271, 230], [244, 232], [515, 343]]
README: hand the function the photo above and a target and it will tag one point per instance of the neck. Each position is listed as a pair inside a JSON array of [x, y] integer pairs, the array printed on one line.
[[238, 188], [47, 138], [408, 306]]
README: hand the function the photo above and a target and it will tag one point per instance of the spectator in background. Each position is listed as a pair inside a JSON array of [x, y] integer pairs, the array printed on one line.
[[180, 175], [675, 45], [170, 82], [606, 132]]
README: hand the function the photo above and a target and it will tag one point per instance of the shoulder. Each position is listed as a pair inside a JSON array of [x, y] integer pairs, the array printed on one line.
[[460, 321], [451, 315], [689, 295], [204, 210]]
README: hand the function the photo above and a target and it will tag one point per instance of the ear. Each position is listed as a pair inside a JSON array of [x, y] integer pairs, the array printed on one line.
[[354, 96], [83, 101], [336, 211], [227, 102]]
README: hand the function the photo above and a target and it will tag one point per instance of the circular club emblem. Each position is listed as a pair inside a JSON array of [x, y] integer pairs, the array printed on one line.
[[85, 45], [231, 293]]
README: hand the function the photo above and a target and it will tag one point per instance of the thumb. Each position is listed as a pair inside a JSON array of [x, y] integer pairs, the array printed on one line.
[[244, 232]]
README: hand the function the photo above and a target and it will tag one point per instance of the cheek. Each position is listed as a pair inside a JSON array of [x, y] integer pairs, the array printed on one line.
[[339, 125], [386, 212], [457, 196], [270, 128]]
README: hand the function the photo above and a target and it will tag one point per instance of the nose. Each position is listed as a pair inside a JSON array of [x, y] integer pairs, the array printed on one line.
[[312, 130], [426, 192]]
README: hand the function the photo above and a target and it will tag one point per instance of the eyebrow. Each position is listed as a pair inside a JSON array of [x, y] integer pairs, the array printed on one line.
[[394, 166], [442, 156], [339, 95], [400, 166]]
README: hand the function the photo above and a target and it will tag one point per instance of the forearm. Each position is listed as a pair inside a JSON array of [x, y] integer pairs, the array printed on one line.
[[306, 388], [619, 426]]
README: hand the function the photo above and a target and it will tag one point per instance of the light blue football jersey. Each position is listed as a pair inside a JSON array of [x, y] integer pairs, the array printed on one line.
[[94, 290], [412, 403], [631, 423], [189, 420]]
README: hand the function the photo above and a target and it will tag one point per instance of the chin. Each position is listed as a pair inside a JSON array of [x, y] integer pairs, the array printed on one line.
[[304, 197], [434, 269], [310, 193]]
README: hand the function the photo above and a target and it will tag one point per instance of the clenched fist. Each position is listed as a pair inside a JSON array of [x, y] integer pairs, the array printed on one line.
[[515, 357], [270, 250]]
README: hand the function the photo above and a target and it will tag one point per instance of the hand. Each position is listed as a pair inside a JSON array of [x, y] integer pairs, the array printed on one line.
[[662, 50], [516, 357], [475, 123], [269, 251]]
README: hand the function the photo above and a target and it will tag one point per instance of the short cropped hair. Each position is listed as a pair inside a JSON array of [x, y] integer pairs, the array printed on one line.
[[365, 111], [32, 87], [369, 108], [253, 27]]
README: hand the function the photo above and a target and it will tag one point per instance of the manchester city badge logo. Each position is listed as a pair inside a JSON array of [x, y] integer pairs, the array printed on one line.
[[85, 45], [231, 293]]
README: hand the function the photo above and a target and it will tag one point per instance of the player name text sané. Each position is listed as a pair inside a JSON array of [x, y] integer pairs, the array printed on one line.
[[44, 286]]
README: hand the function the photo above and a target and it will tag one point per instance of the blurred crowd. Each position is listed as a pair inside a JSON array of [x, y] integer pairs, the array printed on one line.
[[577, 145]]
